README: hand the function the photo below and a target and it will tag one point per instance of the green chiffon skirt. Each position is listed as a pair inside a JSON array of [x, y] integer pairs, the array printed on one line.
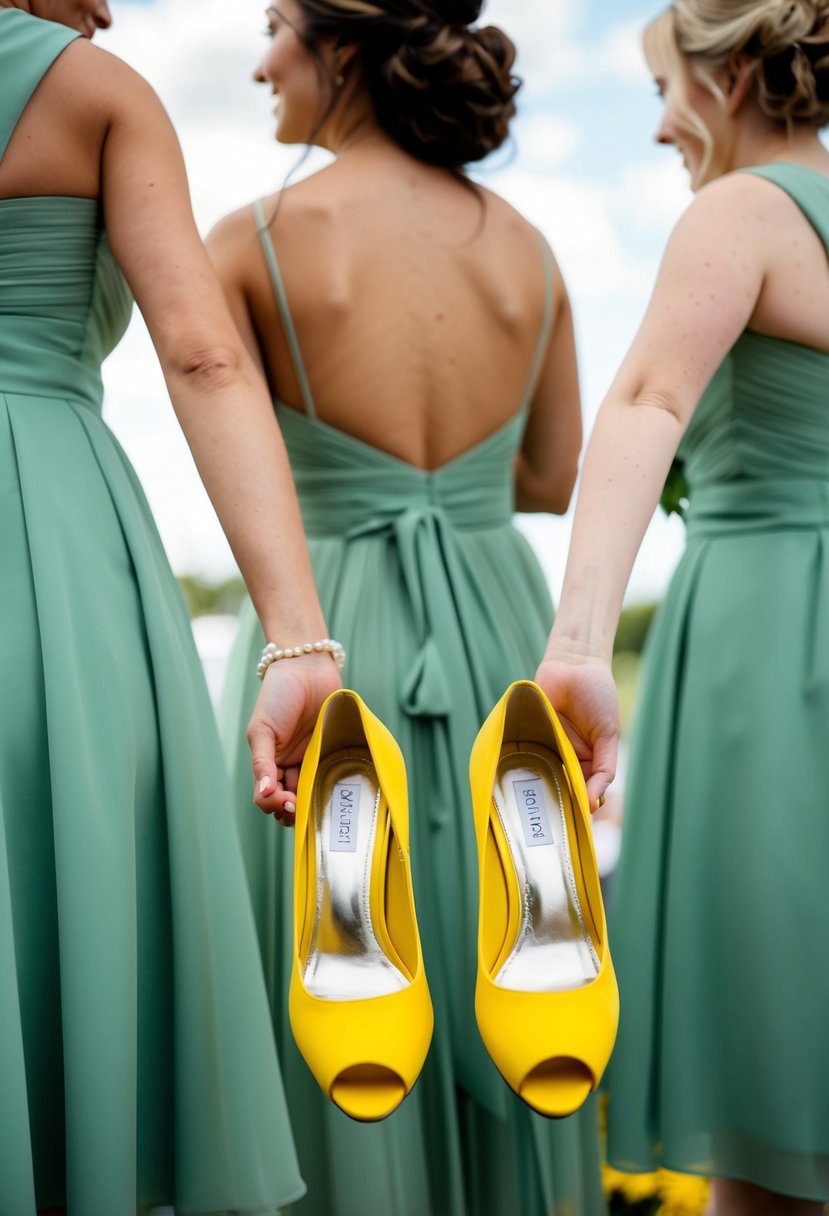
[[137, 1064], [720, 917]]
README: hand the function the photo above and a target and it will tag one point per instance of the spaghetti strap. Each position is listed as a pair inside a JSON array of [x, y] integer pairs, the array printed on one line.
[[546, 324], [284, 311]]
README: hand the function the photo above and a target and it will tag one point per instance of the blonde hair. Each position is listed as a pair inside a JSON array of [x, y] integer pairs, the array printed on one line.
[[787, 39]]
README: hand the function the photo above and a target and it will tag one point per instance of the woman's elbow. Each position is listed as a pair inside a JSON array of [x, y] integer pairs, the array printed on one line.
[[551, 494], [207, 368]]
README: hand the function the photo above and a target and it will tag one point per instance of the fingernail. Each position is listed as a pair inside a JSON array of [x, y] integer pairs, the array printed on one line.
[[289, 806], [265, 785]]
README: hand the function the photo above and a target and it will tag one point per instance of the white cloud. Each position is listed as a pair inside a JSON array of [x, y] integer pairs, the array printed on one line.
[[577, 218], [542, 31], [618, 55], [546, 140], [556, 47], [654, 196]]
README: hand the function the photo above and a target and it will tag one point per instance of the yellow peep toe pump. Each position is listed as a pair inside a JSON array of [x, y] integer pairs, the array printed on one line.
[[546, 998], [359, 1003]]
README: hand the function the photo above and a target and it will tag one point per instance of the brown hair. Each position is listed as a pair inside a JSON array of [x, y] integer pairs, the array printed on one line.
[[443, 90]]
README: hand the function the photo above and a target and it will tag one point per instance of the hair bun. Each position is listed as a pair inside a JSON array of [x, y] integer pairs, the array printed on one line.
[[440, 86], [443, 92], [793, 79], [787, 39]]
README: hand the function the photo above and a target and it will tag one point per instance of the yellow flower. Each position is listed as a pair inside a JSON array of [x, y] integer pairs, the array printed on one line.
[[634, 1187], [682, 1194], [611, 1180]]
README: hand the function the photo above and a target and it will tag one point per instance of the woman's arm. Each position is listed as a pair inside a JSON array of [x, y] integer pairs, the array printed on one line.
[[221, 402], [547, 465], [228, 246], [708, 286]]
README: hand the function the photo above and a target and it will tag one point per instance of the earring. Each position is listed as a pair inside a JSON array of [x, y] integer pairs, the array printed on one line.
[[339, 80]]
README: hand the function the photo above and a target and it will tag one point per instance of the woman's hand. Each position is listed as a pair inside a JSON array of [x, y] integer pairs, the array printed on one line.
[[280, 729], [583, 693]]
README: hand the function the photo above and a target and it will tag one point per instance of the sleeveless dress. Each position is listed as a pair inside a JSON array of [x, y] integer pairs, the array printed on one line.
[[440, 603], [720, 917], [137, 1063]]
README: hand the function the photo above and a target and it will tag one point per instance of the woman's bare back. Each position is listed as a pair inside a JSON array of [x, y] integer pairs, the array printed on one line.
[[418, 302]]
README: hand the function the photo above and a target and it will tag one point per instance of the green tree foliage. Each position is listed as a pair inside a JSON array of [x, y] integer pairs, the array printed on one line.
[[674, 500], [633, 628], [202, 597]]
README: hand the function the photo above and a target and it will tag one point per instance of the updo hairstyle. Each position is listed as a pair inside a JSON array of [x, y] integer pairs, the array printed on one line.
[[442, 90], [789, 39]]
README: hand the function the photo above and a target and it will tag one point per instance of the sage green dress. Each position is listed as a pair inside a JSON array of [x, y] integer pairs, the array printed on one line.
[[721, 917], [440, 603], [137, 1063]]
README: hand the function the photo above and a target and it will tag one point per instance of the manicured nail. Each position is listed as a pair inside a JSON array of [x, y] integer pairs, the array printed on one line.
[[265, 785], [290, 808]]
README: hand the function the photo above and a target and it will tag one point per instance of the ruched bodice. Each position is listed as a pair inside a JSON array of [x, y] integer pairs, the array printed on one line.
[[740, 431], [764, 414], [345, 484], [64, 304], [721, 1066]]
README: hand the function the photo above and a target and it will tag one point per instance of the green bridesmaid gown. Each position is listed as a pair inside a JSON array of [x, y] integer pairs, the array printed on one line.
[[137, 1063], [720, 917], [440, 603]]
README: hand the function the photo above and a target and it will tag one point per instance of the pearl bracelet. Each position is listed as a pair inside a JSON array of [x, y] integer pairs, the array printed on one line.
[[273, 653]]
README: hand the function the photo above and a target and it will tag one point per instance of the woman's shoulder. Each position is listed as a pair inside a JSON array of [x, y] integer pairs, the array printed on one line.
[[731, 217], [754, 195], [95, 71], [289, 210], [94, 89], [523, 244], [287, 216], [499, 211]]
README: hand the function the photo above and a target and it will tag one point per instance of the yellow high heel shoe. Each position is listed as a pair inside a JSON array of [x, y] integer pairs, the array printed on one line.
[[546, 998], [359, 1004]]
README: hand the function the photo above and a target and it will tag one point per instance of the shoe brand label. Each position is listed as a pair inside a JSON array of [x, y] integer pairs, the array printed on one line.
[[532, 810], [345, 803]]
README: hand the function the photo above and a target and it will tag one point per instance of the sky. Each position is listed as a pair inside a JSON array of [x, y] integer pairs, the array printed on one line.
[[582, 165]]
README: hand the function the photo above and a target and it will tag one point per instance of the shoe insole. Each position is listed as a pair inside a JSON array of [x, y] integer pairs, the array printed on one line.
[[553, 949], [345, 960]]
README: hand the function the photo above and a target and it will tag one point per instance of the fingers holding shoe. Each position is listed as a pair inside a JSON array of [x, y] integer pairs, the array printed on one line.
[[281, 725]]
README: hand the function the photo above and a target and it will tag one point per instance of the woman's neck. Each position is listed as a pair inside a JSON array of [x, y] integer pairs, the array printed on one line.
[[355, 127], [759, 141]]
